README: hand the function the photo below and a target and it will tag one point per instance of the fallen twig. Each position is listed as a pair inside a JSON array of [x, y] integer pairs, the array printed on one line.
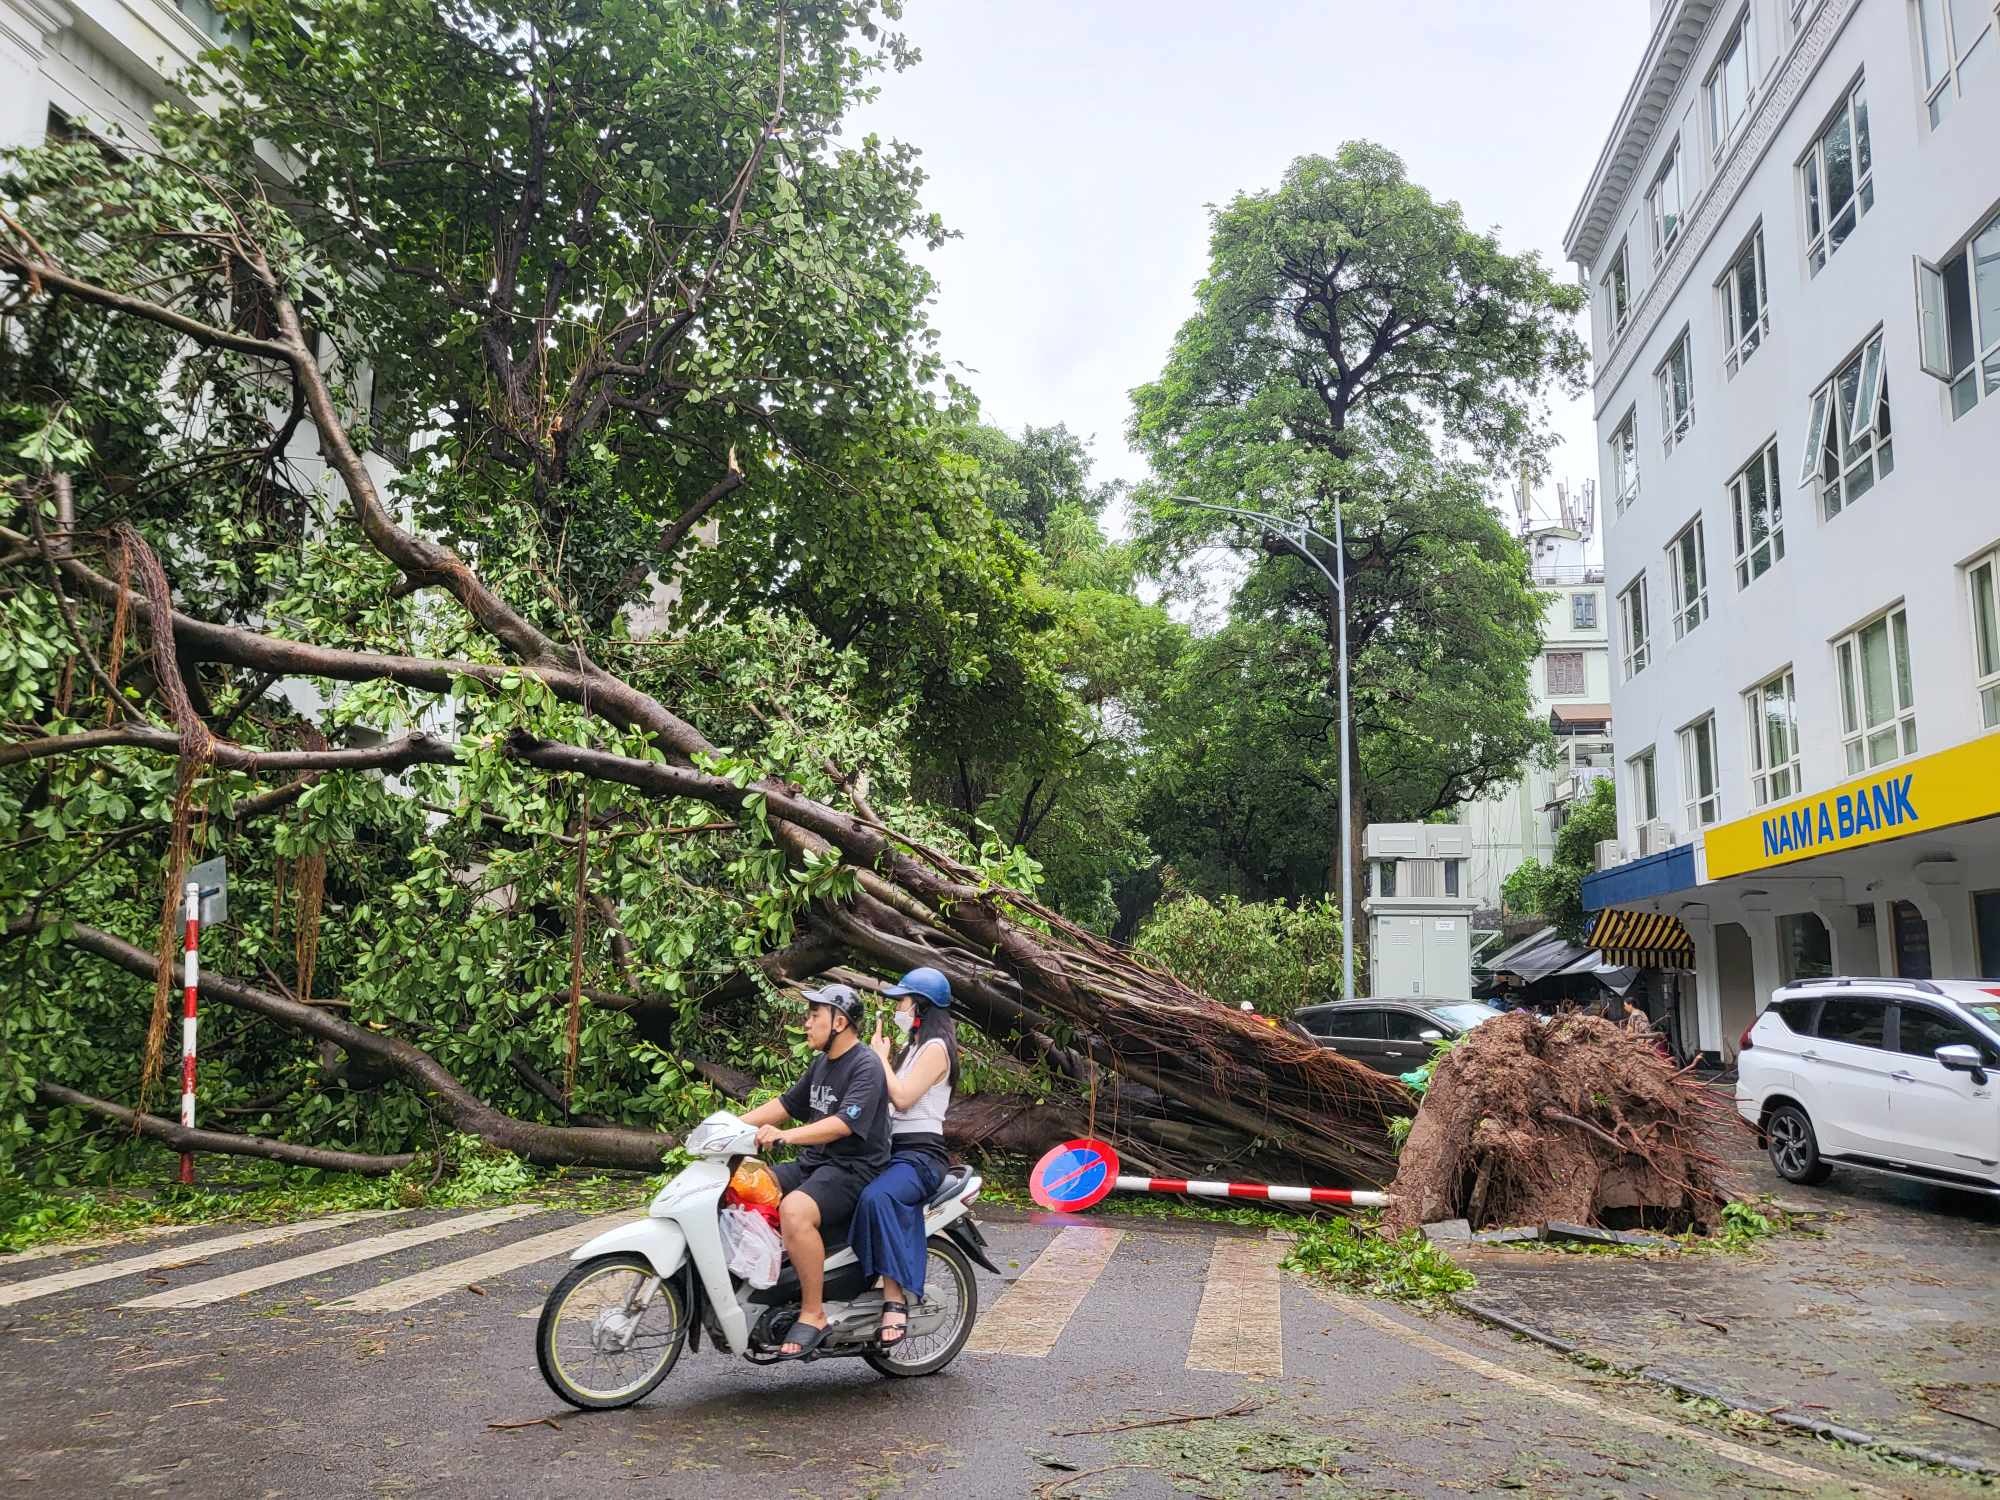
[[1241, 1409], [1963, 1416], [1054, 1487], [531, 1422]]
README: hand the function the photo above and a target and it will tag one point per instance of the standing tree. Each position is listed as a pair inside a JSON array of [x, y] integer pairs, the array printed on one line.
[[1355, 339]]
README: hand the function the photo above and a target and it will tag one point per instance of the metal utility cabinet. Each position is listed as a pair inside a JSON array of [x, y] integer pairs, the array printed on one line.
[[1419, 922]]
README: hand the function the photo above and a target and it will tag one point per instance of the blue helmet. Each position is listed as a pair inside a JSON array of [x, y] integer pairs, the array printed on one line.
[[926, 984]]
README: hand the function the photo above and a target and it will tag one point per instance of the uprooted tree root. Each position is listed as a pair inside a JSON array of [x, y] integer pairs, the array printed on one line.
[[1575, 1120]]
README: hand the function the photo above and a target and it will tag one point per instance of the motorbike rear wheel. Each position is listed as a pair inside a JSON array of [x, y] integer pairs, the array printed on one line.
[[948, 1284], [589, 1316]]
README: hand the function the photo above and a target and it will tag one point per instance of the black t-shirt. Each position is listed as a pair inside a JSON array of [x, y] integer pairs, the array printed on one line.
[[853, 1087]]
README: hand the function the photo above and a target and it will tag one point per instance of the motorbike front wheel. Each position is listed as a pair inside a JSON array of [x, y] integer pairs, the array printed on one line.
[[598, 1348], [950, 1288]]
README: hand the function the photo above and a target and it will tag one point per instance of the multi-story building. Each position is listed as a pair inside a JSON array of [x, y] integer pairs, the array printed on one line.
[[1571, 685], [1792, 240]]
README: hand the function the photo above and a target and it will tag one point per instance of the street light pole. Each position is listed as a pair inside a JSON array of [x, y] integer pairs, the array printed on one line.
[[1297, 533]]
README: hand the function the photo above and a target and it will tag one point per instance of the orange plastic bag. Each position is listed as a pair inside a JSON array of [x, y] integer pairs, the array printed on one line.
[[754, 1185]]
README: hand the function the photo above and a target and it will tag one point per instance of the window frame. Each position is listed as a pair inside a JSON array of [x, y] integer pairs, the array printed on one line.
[[1741, 343], [1625, 460], [1689, 612], [1743, 36], [1820, 245], [1774, 769], [1635, 645], [1742, 514], [1985, 632], [1942, 93], [1618, 289], [1831, 440], [1946, 289], [1857, 730], [1676, 423], [1583, 603], [1662, 237], [1645, 771], [1582, 677], [1694, 800]]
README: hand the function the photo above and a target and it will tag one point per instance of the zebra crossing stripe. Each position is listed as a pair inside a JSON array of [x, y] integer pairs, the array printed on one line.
[[408, 1291], [1032, 1313], [63, 1281], [222, 1288], [104, 1242], [1238, 1328]]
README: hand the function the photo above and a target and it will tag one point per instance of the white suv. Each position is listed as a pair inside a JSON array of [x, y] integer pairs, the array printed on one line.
[[1888, 1075]]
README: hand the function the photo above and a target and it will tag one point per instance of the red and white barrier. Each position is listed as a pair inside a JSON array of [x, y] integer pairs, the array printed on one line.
[[1269, 1192], [191, 983]]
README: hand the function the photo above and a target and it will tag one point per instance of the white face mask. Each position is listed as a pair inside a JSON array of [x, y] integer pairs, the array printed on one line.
[[904, 1021]]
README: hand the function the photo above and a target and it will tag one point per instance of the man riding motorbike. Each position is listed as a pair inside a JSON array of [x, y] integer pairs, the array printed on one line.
[[843, 1100]]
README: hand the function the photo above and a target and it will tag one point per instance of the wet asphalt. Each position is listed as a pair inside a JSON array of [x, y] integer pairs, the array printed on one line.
[[270, 1396]]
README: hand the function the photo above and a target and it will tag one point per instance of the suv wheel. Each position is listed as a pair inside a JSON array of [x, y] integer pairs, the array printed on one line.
[[1794, 1149]]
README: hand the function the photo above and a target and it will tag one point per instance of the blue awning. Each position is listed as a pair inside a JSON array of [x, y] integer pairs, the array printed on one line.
[[1640, 879]]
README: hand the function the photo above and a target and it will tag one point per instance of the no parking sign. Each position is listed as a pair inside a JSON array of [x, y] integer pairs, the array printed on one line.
[[1074, 1176]]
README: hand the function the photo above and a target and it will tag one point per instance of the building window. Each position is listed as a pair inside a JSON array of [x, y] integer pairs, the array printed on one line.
[[1618, 291], [1759, 514], [1984, 577], [1839, 176], [1385, 877], [1704, 802], [1632, 627], [1730, 86], [1565, 672], [1583, 611], [1676, 377], [1847, 432], [1878, 715], [1645, 789], [1955, 38], [1746, 315], [1772, 711], [1958, 318], [1663, 202], [1986, 918], [1451, 877], [1625, 460], [1687, 574]]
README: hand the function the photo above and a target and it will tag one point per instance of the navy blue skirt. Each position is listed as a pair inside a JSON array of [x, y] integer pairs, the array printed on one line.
[[888, 1229]]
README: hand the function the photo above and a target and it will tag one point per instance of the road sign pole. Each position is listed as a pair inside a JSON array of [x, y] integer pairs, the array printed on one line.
[[190, 985]]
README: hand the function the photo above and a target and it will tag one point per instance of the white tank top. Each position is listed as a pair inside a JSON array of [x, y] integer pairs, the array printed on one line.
[[926, 1116]]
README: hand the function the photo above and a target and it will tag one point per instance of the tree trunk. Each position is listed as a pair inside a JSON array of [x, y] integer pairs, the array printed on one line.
[[184, 1139]]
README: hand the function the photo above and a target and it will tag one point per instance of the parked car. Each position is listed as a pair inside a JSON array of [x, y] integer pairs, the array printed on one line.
[[1887, 1075], [1390, 1036]]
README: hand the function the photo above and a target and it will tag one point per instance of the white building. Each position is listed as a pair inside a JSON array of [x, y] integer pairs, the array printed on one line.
[[1792, 238], [1571, 684]]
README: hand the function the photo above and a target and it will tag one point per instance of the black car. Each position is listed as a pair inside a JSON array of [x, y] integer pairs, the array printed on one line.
[[1390, 1036]]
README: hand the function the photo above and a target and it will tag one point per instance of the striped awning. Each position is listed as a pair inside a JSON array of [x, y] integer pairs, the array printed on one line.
[[1642, 940]]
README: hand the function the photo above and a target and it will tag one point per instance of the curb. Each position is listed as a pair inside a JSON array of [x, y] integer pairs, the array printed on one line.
[[1775, 1411]]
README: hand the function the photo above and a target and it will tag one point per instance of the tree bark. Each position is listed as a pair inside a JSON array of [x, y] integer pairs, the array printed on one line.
[[227, 1143]]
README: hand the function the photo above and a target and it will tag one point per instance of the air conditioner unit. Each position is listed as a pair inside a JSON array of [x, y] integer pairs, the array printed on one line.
[[1609, 854], [1655, 837]]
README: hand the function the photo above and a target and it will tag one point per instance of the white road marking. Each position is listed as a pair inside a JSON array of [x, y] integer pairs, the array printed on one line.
[[1736, 1453], [408, 1291], [48, 1286], [105, 1242], [1032, 1313], [222, 1288], [1239, 1328]]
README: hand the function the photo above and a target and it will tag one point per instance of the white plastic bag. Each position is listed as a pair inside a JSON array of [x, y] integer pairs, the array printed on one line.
[[753, 1248]]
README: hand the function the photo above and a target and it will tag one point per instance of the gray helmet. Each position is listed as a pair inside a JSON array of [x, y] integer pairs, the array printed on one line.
[[839, 998]]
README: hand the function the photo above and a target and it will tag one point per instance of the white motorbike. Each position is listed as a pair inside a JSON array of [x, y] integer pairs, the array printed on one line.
[[614, 1327]]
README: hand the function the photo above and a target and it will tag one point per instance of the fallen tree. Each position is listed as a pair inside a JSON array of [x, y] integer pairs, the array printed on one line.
[[637, 286], [1574, 1120]]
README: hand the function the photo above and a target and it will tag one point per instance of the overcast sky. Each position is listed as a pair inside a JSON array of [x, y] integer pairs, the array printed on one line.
[[1075, 146]]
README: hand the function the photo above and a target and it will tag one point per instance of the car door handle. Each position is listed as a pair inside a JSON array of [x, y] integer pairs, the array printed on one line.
[[1809, 1053], [1904, 1077]]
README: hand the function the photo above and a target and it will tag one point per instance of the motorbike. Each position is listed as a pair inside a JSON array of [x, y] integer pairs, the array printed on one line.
[[616, 1324]]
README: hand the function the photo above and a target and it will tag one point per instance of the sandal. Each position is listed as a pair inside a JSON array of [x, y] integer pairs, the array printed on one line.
[[808, 1336], [900, 1330]]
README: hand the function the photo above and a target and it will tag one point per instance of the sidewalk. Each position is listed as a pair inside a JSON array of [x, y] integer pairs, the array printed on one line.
[[1878, 1323]]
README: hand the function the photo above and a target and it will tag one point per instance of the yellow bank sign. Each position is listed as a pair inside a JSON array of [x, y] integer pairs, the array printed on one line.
[[1935, 791]]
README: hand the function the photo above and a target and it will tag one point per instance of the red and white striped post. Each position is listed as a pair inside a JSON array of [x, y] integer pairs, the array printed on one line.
[[191, 983], [1268, 1192]]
